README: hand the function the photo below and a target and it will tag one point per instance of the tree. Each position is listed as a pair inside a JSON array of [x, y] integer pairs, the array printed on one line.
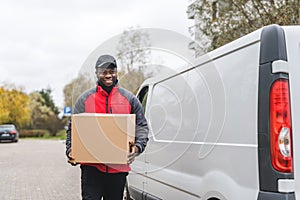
[[133, 53], [14, 106], [40, 112], [76, 87], [46, 94], [44, 113], [4, 112], [222, 21], [131, 80]]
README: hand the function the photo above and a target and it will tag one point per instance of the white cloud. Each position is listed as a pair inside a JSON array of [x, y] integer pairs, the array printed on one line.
[[44, 43]]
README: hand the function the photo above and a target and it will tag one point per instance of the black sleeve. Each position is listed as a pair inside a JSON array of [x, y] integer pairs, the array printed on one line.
[[68, 138], [141, 129], [78, 108]]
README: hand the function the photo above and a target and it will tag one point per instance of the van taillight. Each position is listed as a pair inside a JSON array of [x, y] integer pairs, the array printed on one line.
[[280, 127]]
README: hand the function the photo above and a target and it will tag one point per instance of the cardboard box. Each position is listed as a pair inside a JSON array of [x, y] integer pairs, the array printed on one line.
[[102, 138]]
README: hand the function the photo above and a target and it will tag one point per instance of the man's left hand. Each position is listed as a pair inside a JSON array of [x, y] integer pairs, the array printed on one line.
[[132, 154]]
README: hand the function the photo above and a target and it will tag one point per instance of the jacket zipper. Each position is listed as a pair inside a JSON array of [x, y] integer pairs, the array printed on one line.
[[107, 111], [106, 104], [106, 101]]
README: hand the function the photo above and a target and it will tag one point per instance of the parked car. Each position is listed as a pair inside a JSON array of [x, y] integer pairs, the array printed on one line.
[[9, 132], [226, 128]]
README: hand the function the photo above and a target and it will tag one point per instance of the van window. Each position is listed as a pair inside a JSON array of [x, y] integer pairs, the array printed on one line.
[[142, 96]]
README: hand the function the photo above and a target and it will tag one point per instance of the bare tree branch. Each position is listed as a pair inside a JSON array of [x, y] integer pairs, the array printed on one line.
[[236, 20]]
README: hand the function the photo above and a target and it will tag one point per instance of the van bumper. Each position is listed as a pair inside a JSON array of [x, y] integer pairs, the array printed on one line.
[[276, 196]]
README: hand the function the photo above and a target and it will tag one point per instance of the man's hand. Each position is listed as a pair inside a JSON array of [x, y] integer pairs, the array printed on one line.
[[72, 162], [133, 152], [71, 159]]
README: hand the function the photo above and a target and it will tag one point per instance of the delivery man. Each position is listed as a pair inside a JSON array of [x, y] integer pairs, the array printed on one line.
[[108, 180]]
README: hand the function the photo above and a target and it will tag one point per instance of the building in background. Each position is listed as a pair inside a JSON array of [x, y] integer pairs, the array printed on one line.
[[202, 43], [192, 14]]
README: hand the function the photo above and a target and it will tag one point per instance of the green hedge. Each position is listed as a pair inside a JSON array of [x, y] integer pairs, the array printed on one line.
[[33, 133]]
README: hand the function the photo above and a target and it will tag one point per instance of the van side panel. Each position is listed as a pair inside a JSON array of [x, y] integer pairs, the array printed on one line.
[[203, 127]]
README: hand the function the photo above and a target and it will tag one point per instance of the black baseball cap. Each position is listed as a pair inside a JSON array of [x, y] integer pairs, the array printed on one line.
[[106, 61]]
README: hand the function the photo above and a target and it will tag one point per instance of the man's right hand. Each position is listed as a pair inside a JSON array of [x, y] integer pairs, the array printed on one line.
[[71, 159], [72, 162]]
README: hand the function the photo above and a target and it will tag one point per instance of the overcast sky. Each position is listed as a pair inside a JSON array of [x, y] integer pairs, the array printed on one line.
[[43, 43]]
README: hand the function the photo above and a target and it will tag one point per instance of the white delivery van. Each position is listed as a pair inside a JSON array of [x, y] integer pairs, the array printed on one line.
[[227, 127]]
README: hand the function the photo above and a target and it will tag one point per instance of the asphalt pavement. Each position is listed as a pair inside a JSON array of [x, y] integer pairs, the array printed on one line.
[[37, 170]]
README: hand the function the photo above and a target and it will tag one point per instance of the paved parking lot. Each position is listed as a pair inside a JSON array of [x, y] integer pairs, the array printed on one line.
[[37, 170]]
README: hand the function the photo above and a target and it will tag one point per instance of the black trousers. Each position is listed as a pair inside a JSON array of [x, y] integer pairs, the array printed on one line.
[[96, 184]]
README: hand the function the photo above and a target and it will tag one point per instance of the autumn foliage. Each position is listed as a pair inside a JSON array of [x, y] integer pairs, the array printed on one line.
[[29, 111], [14, 107]]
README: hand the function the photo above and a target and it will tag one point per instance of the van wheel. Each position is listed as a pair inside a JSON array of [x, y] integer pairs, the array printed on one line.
[[213, 198]]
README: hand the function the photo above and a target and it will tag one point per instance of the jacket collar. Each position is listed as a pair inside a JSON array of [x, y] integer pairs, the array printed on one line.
[[103, 92]]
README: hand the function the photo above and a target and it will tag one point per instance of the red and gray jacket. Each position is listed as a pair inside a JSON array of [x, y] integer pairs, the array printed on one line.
[[118, 101]]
